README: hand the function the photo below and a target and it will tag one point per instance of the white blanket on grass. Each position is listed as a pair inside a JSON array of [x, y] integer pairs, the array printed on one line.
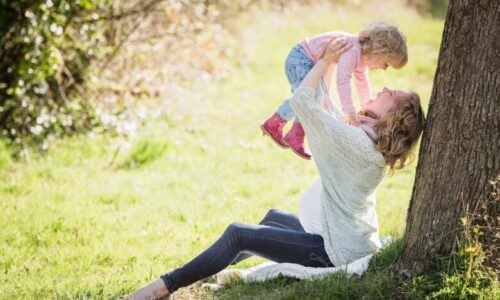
[[270, 270]]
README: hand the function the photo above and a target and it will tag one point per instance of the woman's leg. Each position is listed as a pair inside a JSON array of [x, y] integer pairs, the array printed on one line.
[[276, 244], [275, 218], [281, 219]]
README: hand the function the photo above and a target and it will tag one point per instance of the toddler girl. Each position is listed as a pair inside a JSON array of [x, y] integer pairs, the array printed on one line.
[[377, 46]]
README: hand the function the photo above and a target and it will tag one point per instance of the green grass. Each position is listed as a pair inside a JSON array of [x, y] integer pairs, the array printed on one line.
[[144, 152], [377, 283], [5, 155], [80, 222]]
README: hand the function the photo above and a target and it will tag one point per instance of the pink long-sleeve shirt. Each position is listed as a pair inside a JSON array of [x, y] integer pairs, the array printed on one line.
[[350, 64]]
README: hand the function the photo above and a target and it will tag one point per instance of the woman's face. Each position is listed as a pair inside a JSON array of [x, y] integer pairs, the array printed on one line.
[[385, 101]]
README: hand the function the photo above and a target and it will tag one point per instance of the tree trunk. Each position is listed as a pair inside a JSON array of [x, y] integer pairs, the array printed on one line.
[[459, 152]]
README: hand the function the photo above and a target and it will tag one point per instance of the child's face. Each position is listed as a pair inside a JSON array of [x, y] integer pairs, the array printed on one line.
[[374, 63]]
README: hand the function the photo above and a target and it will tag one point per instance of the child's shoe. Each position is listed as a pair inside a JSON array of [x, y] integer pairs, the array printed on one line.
[[295, 139], [273, 127]]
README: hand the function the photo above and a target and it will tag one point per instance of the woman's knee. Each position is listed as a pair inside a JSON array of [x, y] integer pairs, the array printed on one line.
[[234, 233], [234, 229], [271, 214]]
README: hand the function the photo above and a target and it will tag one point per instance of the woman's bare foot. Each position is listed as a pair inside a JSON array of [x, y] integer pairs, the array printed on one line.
[[154, 290]]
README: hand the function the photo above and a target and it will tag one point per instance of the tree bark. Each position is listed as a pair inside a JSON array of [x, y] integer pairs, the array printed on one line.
[[459, 152]]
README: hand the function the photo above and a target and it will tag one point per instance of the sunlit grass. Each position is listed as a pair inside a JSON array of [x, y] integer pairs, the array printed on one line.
[[5, 155], [79, 222]]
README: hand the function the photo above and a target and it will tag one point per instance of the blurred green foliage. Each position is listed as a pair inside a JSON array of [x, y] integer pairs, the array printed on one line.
[[435, 8], [53, 52], [46, 47], [144, 152]]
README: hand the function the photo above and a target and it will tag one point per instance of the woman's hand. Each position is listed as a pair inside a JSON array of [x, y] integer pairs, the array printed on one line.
[[352, 119], [335, 49]]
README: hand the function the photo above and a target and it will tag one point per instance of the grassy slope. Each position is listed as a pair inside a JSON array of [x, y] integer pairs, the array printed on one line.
[[72, 226]]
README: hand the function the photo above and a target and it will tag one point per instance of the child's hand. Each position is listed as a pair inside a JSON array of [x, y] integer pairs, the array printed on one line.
[[352, 119]]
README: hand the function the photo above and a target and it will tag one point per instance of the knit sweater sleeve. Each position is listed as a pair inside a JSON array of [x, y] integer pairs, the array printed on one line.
[[329, 136]]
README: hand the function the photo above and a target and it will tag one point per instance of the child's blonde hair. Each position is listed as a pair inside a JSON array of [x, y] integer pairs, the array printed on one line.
[[399, 131], [381, 39]]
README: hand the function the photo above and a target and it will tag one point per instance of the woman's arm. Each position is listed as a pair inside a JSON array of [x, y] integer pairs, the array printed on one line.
[[327, 135], [328, 81], [331, 55], [313, 77]]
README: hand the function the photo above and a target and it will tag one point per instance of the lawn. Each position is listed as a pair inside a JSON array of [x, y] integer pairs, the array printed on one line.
[[77, 223]]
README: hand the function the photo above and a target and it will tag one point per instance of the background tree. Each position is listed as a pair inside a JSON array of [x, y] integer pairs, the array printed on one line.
[[459, 153]]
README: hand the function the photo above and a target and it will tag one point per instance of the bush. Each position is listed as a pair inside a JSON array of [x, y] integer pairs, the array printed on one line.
[[46, 50], [54, 52]]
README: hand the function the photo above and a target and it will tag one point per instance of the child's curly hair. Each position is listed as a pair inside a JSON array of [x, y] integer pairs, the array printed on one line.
[[381, 39], [398, 132]]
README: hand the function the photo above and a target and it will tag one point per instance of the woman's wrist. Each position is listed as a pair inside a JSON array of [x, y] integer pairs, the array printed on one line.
[[323, 63]]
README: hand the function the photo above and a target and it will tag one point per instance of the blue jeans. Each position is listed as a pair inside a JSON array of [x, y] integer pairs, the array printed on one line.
[[278, 237], [297, 65]]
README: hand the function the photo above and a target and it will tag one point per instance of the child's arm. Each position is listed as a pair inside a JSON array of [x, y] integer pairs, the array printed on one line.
[[363, 86], [345, 68]]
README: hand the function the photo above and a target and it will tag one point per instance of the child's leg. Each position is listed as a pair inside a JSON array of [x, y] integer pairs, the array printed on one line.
[[286, 112], [297, 65], [321, 93], [295, 137]]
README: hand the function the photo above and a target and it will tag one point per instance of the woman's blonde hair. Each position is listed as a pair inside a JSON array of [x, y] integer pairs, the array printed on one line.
[[398, 132], [383, 40]]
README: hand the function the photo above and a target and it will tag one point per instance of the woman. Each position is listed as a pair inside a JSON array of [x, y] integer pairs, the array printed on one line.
[[337, 222]]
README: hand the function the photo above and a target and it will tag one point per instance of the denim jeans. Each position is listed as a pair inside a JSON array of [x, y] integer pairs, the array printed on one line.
[[297, 65], [278, 237]]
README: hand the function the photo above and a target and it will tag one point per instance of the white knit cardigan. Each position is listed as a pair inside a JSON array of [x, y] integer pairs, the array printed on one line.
[[350, 169]]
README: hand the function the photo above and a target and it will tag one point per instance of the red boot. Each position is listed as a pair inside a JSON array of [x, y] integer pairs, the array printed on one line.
[[295, 139], [273, 127]]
